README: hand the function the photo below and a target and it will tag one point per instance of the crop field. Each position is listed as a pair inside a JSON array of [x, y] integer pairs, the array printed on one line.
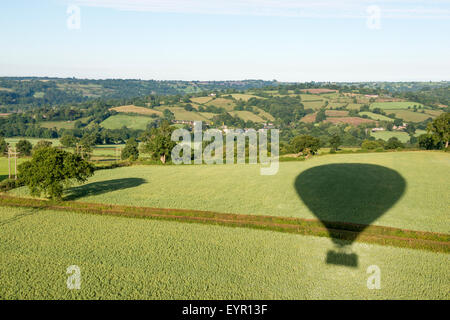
[[376, 116], [201, 100], [395, 105], [182, 114], [247, 115], [135, 109], [227, 104], [126, 258], [350, 120], [241, 188], [315, 105], [243, 96], [336, 113], [132, 122]]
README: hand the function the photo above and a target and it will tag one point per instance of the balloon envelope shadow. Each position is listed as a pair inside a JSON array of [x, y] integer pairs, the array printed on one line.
[[346, 198]]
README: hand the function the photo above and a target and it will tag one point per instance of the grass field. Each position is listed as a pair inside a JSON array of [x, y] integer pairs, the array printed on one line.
[[57, 124], [126, 258], [132, 122], [408, 115], [241, 189], [4, 171], [402, 136], [376, 116], [395, 105]]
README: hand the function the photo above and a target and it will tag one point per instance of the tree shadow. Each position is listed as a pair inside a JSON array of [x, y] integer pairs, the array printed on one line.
[[348, 197], [101, 187]]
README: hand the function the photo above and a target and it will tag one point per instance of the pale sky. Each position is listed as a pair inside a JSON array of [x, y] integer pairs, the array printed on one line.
[[287, 40]]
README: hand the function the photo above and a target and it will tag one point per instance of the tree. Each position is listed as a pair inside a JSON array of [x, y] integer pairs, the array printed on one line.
[[3, 146], [370, 145], [158, 142], [305, 144], [131, 150], [335, 142], [24, 147], [51, 170], [393, 143], [429, 141], [441, 128], [321, 116], [68, 141], [168, 115], [42, 144]]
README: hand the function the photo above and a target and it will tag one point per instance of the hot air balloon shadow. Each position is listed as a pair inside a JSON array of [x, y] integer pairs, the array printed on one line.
[[346, 198]]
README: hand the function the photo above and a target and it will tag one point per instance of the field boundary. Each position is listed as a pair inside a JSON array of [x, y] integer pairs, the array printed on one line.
[[431, 241]]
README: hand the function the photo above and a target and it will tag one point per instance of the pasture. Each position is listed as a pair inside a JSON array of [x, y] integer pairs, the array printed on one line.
[[126, 258], [412, 116], [132, 122], [241, 188], [376, 116]]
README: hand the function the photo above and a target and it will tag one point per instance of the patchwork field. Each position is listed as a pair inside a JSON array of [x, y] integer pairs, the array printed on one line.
[[241, 188], [125, 258]]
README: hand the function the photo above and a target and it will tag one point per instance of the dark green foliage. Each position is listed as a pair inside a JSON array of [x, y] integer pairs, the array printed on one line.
[[42, 144], [335, 142], [440, 127], [24, 147], [393, 143], [321, 116], [429, 142], [3, 146], [370, 145], [51, 170], [68, 141], [131, 150], [305, 144]]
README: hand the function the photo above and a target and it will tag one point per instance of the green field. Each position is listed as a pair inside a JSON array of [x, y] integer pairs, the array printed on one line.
[[131, 122], [126, 258], [376, 116], [395, 105], [58, 124], [412, 116], [247, 116], [241, 188]]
